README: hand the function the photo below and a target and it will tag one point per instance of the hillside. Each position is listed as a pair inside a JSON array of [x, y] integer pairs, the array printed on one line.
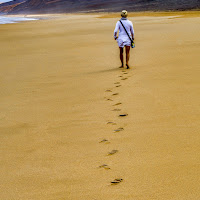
[[59, 6], [9, 6]]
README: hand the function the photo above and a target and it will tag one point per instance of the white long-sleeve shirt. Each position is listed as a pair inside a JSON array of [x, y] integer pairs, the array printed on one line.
[[122, 33]]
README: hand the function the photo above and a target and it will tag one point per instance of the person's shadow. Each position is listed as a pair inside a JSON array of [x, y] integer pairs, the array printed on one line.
[[106, 70]]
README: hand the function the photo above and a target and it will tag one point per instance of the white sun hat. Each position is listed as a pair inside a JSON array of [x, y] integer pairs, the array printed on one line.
[[124, 13]]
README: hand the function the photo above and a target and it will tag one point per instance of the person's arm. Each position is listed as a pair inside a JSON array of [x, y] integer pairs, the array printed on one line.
[[116, 30], [132, 31]]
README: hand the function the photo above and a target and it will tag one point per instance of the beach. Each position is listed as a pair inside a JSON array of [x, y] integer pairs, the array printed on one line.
[[61, 96]]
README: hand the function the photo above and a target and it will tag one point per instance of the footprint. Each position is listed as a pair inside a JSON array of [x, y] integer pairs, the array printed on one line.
[[116, 109], [109, 99], [105, 141], [126, 73], [116, 181], [119, 129], [118, 85], [123, 115], [120, 76], [117, 104], [124, 79], [104, 166], [112, 123], [112, 152], [108, 90], [115, 94]]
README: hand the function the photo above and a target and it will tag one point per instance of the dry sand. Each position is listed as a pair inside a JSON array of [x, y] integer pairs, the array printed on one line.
[[54, 110]]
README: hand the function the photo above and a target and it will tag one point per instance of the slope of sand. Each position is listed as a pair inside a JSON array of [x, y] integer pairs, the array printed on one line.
[[57, 81]]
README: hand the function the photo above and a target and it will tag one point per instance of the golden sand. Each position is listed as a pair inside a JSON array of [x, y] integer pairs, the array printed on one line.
[[59, 119], [179, 14]]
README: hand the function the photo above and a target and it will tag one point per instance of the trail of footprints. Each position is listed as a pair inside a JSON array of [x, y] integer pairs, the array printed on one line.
[[113, 97]]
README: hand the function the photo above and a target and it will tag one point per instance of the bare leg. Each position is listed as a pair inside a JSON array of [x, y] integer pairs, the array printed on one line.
[[127, 56], [121, 56]]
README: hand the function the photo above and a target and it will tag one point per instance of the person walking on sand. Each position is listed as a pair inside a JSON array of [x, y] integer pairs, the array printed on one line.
[[123, 39]]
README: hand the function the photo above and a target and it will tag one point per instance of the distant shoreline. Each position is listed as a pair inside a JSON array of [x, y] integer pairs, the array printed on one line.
[[18, 18], [8, 19], [188, 13]]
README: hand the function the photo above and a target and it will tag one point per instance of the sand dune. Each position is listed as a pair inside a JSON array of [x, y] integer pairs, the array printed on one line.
[[62, 136]]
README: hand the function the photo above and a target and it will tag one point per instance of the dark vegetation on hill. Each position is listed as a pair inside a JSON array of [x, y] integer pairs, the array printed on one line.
[[61, 6]]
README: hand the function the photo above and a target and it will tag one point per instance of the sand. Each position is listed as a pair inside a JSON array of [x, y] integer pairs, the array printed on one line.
[[58, 78]]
